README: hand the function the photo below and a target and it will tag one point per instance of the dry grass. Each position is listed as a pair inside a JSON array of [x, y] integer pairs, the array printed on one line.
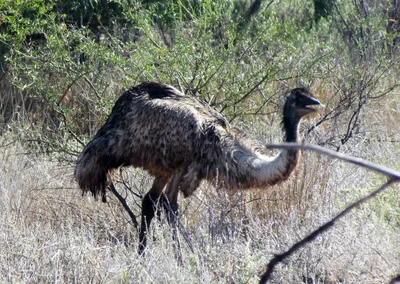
[[50, 233]]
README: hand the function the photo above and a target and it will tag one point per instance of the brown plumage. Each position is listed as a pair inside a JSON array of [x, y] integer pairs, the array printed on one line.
[[181, 141]]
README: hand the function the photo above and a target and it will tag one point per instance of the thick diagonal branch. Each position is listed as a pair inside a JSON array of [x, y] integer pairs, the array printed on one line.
[[280, 257]]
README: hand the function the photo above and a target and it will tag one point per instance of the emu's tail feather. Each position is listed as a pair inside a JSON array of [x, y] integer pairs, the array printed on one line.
[[93, 172]]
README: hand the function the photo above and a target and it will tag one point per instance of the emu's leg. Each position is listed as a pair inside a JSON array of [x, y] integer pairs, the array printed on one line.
[[170, 199], [171, 207], [149, 207]]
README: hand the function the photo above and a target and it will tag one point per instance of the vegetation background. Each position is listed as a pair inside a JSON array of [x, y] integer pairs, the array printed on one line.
[[64, 63]]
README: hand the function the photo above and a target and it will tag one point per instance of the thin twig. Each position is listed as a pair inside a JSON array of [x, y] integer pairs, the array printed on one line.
[[185, 235], [93, 87], [61, 99], [8, 144], [129, 188]]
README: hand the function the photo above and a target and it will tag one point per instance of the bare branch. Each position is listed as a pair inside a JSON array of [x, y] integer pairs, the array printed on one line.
[[125, 205], [357, 161]]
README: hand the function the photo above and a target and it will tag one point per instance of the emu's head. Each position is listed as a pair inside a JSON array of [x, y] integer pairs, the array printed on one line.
[[298, 102], [297, 106]]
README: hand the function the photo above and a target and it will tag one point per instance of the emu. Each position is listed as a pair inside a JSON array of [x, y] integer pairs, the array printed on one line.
[[181, 141]]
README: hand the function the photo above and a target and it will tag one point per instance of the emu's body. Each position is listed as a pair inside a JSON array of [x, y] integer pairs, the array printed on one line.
[[181, 141]]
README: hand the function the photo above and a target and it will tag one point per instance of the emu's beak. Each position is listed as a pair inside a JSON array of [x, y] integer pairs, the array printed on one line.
[[305, 110]]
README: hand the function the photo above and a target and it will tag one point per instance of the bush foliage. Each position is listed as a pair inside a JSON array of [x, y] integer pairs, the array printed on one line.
[[65, 62]]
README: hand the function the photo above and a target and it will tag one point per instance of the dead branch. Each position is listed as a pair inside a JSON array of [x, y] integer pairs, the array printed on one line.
[[393, 176], [125, 205]]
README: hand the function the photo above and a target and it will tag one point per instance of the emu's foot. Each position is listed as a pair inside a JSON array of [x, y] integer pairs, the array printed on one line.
[[141, 250]]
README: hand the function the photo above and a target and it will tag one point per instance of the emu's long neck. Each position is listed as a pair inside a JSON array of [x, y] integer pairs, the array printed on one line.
[[259, 170]]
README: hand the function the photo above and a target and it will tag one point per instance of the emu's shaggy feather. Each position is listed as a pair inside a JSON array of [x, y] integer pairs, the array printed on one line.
[[182, 141]]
